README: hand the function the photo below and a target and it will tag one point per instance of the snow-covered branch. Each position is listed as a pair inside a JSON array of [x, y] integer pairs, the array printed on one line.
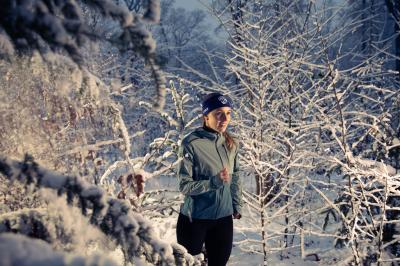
[[114, 217]]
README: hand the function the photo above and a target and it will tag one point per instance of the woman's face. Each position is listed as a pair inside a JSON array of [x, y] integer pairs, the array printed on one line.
[[218, 119]]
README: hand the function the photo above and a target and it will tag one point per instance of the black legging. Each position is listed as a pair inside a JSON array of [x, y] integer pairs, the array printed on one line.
[[216, 234]]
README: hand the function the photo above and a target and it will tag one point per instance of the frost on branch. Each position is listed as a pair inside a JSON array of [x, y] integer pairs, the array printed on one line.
[[31, 25], [114, 217]]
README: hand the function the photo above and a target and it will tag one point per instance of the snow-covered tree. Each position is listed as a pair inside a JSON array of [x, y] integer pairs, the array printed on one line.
[[307, 100], [41, 25]]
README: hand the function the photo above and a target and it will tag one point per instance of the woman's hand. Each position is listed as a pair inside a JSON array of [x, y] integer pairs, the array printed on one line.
[[224, 175], [236, 215]]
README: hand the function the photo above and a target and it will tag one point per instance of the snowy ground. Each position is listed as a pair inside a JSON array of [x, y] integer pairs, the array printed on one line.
[[243, 253]]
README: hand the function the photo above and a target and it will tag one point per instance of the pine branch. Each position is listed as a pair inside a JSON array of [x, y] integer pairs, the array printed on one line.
[[114, 217]]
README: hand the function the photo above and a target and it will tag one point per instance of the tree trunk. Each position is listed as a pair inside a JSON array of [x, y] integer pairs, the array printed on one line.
[[394, 9], [264, 235], [264, 187], [397, 47]]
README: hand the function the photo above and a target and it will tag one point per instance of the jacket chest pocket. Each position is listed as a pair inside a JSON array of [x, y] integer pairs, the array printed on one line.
[[206, 169]]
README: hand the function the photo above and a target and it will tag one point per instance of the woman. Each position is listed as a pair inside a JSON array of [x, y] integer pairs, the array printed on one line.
[[208, 177]]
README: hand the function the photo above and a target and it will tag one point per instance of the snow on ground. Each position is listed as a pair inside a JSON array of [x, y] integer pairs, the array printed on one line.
[[17, 249]]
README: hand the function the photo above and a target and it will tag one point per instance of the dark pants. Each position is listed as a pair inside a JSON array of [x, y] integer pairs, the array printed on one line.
[[216, 234]]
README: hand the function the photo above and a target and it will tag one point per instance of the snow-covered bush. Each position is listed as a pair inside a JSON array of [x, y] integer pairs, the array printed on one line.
[[56, 112], [179, 117], [113, 217]]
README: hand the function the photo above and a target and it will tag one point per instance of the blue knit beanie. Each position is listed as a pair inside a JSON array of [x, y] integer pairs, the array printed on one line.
[[215, 100]]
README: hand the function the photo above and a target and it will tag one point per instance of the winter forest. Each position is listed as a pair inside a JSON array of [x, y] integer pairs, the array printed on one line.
[[96, 96]]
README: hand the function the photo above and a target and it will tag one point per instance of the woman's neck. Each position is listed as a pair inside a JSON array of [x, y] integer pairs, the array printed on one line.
[[209, 129]]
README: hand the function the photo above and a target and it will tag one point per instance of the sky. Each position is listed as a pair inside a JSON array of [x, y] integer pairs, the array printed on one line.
[[190, 4], [211, 20]]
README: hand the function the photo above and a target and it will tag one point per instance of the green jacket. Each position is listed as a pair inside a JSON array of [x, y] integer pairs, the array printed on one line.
[[204, 155]]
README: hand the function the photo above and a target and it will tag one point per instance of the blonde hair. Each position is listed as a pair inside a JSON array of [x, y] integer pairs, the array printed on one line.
[[230, 143]]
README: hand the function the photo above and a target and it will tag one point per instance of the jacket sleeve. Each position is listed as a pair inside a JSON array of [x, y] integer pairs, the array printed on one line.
[[236, 187], [187, 184]]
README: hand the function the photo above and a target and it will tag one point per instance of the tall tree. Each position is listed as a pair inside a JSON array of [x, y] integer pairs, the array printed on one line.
[[304, 89], [394, 9]]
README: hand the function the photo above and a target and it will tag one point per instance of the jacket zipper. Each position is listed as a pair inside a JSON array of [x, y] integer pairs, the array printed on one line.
[[227, 157], [221, 192], [216, 147]]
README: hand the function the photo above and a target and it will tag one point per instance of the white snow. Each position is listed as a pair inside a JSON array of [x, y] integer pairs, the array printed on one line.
[[19, 250]]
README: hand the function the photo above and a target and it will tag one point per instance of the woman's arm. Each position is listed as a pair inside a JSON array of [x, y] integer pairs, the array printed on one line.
[[187, 184], [236, 188]]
